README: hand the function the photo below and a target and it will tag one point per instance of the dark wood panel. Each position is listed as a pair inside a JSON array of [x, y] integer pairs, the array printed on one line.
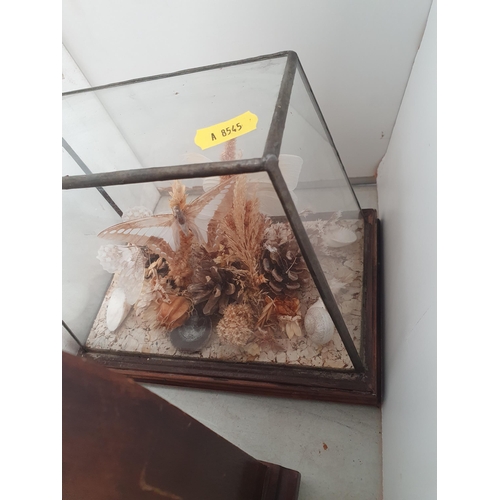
[[120, 441], [370, 310]]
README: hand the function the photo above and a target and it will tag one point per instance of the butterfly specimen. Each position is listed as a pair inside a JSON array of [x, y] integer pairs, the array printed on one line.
[[162, 233]]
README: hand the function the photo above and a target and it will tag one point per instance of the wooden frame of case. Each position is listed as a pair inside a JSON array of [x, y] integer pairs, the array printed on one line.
[[361, 385]]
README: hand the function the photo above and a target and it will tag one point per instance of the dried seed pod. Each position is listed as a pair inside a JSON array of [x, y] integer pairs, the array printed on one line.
[[173, 311]]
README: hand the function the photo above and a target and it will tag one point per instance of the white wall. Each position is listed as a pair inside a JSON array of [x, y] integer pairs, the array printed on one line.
[[356, 54], [407, 203]]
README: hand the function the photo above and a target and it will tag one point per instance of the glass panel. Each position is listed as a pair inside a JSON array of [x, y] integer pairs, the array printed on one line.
[[83, 282], [233, 287], [206, 268], [327, 205], [154, 123]]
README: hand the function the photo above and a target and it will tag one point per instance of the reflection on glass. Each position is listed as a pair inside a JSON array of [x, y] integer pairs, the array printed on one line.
[[327, 206], [154, 123]]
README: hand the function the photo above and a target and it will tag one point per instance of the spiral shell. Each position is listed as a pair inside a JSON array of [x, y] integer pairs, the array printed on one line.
[[318, 324]]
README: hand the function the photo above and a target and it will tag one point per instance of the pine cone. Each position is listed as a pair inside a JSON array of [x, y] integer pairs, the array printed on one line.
[[284, 268], [213, 285]]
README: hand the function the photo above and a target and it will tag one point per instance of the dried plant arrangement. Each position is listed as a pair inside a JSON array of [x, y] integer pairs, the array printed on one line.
[[221, 278]]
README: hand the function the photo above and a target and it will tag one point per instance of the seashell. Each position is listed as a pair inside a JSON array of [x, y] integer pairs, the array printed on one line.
[[339, 237], [318, 303], [318, 323], [117, 310]]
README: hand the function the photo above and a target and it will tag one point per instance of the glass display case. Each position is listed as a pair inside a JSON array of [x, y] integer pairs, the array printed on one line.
[[211, 237]]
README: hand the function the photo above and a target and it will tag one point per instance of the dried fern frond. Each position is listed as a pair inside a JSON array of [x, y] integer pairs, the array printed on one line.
[[243, 229]]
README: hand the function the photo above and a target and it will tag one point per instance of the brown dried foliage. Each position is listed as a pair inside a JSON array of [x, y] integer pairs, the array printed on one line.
[[168, 311], [267, 326], [181, 263], [173, 312], [243, 229]]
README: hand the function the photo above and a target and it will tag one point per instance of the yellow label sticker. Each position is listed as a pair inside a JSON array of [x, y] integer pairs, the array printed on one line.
[[225, 131]]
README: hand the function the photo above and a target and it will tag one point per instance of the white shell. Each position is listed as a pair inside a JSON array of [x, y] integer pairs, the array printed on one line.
[[118, 309], [339, 237], [318, 324]]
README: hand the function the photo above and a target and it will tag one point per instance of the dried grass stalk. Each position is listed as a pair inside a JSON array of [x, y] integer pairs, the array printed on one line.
[[180, 264], [243, 229]]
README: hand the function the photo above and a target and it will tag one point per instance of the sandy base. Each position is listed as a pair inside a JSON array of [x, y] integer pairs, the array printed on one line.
[[343, 264]]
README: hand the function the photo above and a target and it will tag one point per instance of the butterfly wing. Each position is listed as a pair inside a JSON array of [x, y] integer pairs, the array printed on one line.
[[208, 209], [160, 233]]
